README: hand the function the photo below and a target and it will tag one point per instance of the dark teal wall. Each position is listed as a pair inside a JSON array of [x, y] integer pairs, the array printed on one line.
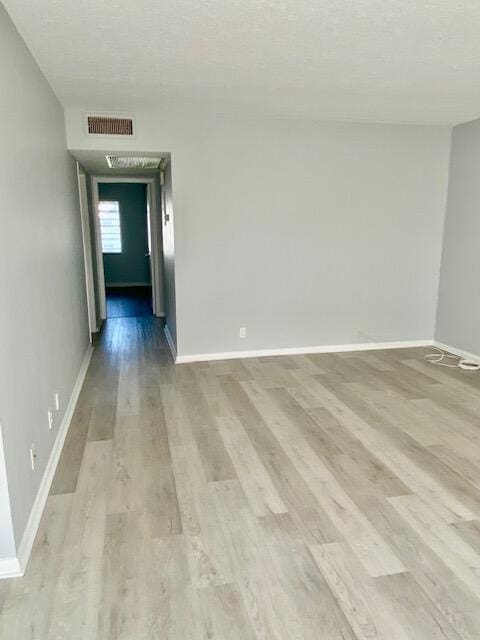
[[131, 265]]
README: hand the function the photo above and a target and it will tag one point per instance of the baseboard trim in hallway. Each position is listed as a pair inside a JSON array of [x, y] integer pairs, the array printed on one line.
[[110, 285], [170, 342], [291, 351], [10, 568], [13, 567]]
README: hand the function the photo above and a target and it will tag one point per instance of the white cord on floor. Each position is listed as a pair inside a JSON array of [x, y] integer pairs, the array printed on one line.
[[460, 363]]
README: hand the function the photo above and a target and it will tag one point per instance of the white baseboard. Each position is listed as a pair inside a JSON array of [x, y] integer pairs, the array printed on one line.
[[457, 352], [171, 344], [336, 348], [128, 284], [12, 567]]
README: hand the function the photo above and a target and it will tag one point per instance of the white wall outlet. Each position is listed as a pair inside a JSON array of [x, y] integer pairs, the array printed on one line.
[[57, 401], [50, 418], [242, 332], [33, 456]]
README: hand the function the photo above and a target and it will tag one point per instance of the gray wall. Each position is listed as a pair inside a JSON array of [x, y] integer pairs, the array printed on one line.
[[458, 319], [305, 233], [310, 235], [131, 265], [43, 318]]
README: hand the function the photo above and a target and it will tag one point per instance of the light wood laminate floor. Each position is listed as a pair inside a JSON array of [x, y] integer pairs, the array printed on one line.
[[323, 497]]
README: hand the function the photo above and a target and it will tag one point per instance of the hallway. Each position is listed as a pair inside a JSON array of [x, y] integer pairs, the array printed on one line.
[[299, 497]]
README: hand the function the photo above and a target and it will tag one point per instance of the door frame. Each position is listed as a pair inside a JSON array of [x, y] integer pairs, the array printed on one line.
[[87, 249], [154, 218]]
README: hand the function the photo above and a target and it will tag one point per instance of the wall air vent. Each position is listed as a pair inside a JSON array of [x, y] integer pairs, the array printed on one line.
[[109, 126], [132, 162]]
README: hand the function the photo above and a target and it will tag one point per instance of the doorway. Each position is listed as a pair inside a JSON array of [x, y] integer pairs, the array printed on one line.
[[126, 248]]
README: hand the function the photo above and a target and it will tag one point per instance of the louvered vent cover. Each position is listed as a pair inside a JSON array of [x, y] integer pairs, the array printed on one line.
[[108, 126], [132, 162]]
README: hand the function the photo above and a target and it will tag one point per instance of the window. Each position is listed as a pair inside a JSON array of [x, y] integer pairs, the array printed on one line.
[[110, 232]]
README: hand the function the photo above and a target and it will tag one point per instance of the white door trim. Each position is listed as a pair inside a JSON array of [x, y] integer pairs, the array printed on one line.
[[102, 298], [87, 250], [153, 210]]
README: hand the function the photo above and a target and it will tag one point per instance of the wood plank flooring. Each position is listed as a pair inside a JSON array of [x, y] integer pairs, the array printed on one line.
[[323, 497]]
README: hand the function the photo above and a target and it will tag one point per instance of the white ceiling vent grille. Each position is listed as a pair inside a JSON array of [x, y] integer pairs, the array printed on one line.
[[132, 162], [109, 126]]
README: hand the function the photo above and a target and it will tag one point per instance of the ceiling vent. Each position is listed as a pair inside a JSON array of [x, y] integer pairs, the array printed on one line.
[[132, 162], [109, 126]]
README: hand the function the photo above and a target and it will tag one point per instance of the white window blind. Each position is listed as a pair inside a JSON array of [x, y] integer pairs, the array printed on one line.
[[110, 231]]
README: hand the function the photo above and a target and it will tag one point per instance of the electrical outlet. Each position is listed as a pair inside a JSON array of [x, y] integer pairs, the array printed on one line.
[[242, 332], [57, 401], [33, 457], [50, 418]]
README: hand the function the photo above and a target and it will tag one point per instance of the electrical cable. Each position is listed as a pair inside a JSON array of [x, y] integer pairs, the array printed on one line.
[[460, 363]]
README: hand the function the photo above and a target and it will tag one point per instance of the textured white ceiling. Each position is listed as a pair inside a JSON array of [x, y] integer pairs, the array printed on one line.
[[376, 60]]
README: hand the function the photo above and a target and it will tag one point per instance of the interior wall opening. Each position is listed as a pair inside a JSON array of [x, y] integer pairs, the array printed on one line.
[[126, 209], [128, 246], [125, 234]]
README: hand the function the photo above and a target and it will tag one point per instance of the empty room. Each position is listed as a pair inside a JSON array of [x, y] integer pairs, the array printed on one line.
[[239, 320]]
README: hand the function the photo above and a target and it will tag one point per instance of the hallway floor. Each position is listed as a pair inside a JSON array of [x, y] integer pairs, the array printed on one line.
[[324, 497], [129, 302]]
